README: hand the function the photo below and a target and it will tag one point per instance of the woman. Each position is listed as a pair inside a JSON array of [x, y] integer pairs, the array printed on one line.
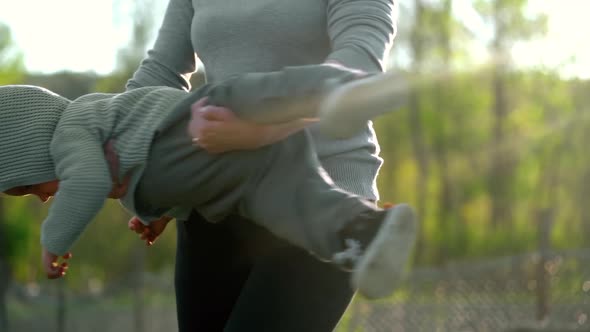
[[261, 283]]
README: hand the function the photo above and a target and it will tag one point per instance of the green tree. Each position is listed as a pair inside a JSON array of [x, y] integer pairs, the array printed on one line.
[[5, 273], [509, 24], [129, 57], [11, 60], [11, 69]]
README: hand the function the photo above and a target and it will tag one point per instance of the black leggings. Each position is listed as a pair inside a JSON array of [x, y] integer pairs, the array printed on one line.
[[236, 276]]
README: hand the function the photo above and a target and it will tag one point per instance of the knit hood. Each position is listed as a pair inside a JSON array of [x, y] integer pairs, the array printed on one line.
[[28, 117]]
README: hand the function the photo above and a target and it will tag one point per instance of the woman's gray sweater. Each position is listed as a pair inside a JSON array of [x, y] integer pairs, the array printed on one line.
[[240, 36]]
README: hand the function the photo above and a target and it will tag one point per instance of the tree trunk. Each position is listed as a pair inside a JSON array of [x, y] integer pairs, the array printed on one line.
[[4, 283], [501, 157], [545, 220], [448, 206], [415, 123], [61, 305], [500, 176], [583, 189]]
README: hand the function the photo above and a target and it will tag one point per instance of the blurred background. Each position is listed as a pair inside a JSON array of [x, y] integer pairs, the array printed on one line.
[[493, 157]]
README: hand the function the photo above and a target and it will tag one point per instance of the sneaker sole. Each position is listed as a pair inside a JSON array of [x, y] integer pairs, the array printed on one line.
[[345, 111], [381, 268]]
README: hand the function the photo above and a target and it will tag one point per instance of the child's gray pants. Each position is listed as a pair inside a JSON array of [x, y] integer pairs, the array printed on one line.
[[281, 187], [280, 96]]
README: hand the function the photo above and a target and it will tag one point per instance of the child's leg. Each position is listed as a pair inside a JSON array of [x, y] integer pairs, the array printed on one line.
[[346, 108], [283, 188], [280, 96], [295, 199], [342, 98], [271, 97]]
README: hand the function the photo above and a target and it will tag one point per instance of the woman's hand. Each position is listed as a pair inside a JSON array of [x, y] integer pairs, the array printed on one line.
[[217, 129], [51, 265]]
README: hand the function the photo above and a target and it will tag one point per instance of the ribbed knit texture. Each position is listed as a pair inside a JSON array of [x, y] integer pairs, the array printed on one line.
[[232, 37], [28, 116], [131, 119]]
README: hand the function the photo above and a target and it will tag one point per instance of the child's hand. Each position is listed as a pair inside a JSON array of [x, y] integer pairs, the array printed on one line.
[[112, 158], [53, 268], [120, 189], [137, 226], [150, 233], [156, 228]]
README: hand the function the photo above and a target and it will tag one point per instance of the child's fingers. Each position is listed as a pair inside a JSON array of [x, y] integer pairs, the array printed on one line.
[[50, 264], [152, 237], [55, 275], [137, 228], [135, 225], [56, 271], [150, 240], [145, 234]]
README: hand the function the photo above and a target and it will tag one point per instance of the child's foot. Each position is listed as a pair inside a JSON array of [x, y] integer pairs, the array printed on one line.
[[346, 109], [378, 245]]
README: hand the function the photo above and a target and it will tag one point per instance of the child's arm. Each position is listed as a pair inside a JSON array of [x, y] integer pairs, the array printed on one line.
[[85, 183], [151, 232]]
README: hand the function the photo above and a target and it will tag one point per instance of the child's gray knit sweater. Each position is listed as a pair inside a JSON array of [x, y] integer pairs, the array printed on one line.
[[77, 150], [45, 137]]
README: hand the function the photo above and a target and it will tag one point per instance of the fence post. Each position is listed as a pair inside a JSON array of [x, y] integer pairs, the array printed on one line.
[[61, 305], [545, 218], [353, 320], [138, 282], [5, 273]]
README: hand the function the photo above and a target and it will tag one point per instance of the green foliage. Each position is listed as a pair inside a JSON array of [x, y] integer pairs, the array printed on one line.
[[11, 61], [20, 230], [546, 130]]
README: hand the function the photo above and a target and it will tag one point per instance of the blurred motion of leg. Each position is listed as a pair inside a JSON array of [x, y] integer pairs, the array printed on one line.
[[346, 109]]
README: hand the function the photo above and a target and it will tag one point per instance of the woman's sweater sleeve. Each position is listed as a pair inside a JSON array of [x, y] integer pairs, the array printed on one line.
[[84, 186], [172, 60], [361, 32]]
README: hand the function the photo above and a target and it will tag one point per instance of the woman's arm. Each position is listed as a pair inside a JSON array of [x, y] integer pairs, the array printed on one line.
[[172, 60], [361, 32], [217, 129]]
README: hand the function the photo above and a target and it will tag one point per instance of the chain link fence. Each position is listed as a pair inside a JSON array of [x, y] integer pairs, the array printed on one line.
[[532, 292]]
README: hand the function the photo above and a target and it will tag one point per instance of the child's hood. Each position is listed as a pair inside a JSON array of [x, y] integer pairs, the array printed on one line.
[[28, 117]]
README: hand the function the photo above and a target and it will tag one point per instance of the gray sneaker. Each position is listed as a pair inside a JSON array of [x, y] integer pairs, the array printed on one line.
[[377, 246], [345, 110]]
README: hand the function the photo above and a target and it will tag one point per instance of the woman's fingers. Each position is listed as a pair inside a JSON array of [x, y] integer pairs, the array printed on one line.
[[216, 113], [199, 104]]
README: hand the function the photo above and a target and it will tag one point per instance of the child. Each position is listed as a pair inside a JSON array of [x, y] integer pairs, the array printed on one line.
[[51, 146]]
